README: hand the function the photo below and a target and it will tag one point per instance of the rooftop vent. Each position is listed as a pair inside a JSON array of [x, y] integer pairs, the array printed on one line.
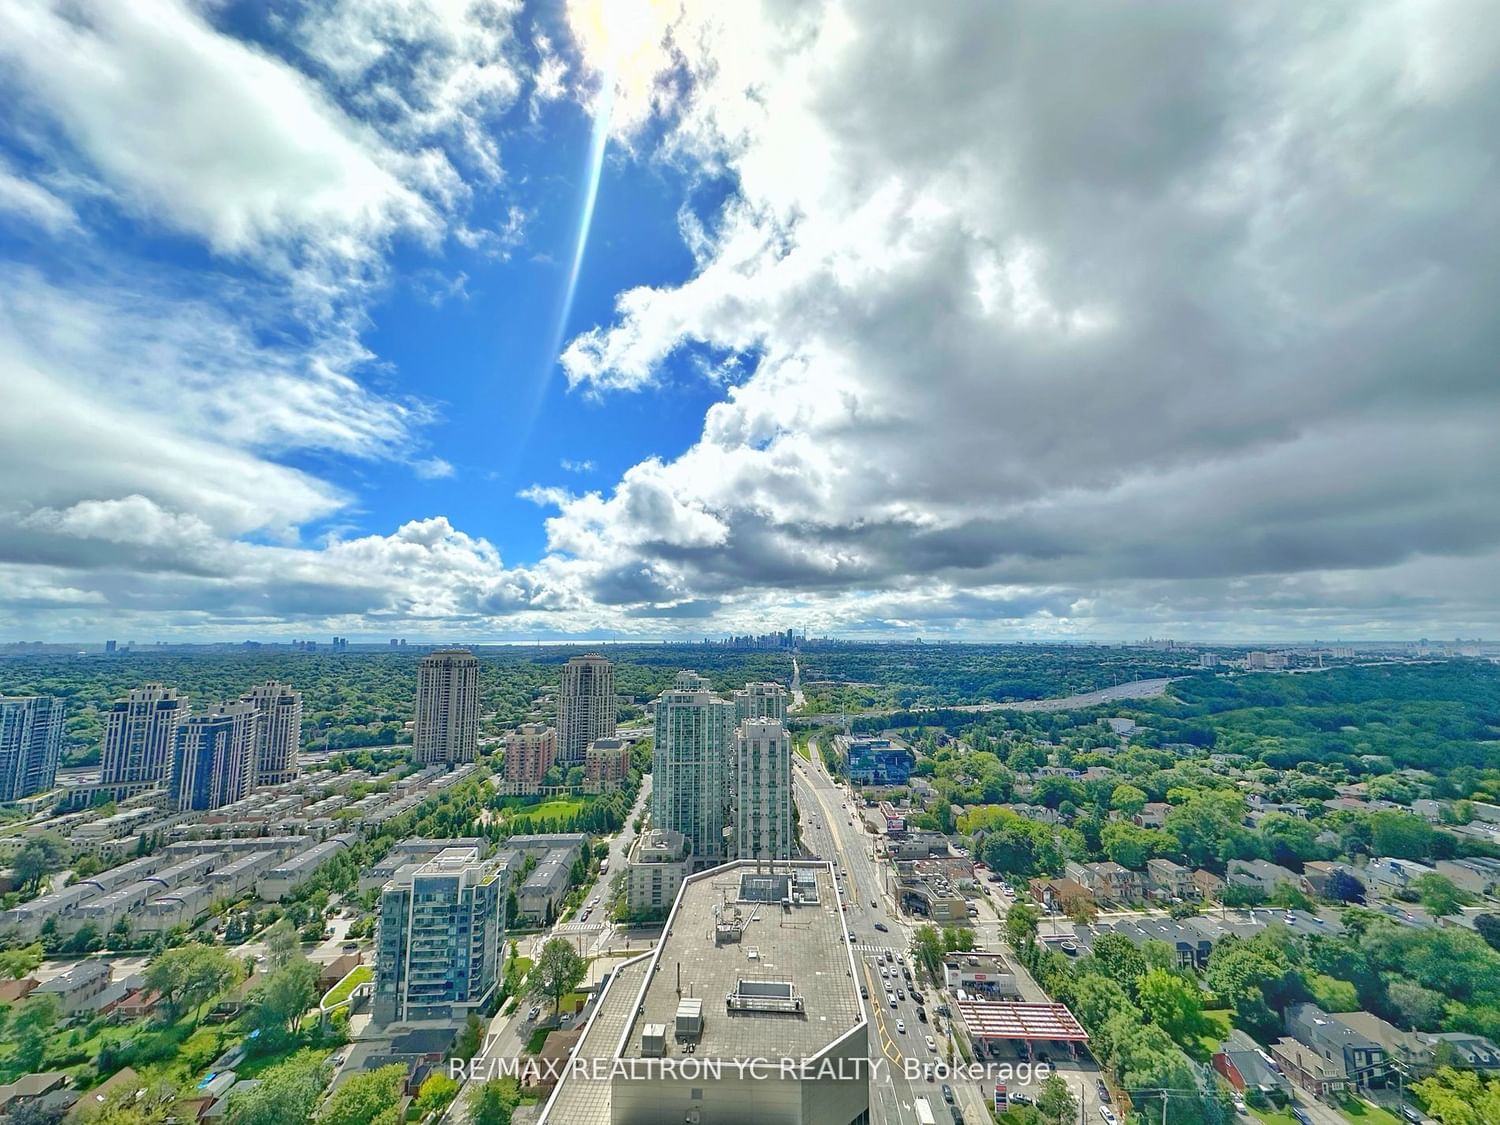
[[654, 1041], [763, 996], [689, 1019]]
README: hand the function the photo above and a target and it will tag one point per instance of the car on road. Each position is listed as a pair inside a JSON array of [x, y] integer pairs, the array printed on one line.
[[351, 947], [900, 1027], [900, 994], [566, 1021], [948, 1093], [1107, 1116], [864, 991], [891, 996], [922, 1014], [1102, 1090], [536, 1010], [931, 1043], [881, 926]]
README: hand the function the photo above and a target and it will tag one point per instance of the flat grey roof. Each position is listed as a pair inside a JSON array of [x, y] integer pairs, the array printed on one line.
[[580, 1099], [804, 945]]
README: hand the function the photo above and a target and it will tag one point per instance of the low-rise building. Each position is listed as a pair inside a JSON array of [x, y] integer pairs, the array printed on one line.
[[1171, 880], [1108, 881], [1264, 876], [76, 988], [1350, 1052], [1386, 876], [985, 975], [1247, 1067], [541, 895], [1479, 875]]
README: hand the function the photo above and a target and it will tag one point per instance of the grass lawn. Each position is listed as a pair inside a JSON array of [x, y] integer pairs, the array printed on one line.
[[1274, 1117], [558, 808], [1366, 1113], [1216, 1027], [800, 745], [342, 991], [535, 1040], [256, 1065]]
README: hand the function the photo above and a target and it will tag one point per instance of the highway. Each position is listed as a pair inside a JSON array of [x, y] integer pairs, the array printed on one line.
[[827, 831]]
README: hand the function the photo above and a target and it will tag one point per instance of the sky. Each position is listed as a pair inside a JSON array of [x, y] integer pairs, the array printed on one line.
[[494, 320]]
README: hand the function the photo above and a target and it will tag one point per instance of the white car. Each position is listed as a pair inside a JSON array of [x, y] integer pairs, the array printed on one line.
[[1107, 1116], [891, 996], [931, 1044], [900, 1027]]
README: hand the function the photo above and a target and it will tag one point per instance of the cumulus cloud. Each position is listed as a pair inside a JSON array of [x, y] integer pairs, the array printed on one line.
[[1216, 315]]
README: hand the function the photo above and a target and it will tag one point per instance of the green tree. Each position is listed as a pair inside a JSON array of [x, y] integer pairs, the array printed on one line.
[[493, 1102], [281, 942], [927, 950], [1056, 1103], [471, 1038], [1439, 895], [18, 963], [1020, 925], [31, 1029], [558, 971], [436, 1093], [1127, 799], [284, 996], [287, 1094], [1130, 846], [41, 854], [189, 976], [1460, 1097], [1173, 1003], [369, 1098]]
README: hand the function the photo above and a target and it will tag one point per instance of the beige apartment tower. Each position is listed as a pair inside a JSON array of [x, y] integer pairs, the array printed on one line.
[[279, 735], [447, 726], [140, 736], [585, 707]]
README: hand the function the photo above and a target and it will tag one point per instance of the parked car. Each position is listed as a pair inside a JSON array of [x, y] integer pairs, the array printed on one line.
[[536, 1010], [1103, 1091], [948, 1093], [1107, 1116], [922, 1014], [931, 1043]]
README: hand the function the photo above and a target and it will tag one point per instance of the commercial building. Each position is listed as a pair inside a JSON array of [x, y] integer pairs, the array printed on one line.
[[762, 805], [760, 701], [279, 736], [655, 866], [754, 966], [529, 754], [214, 760], [140, 736], [447, 725], [877, 761], [440, 938], [606, 765], [586, 706], [691, 766], [31, 732]]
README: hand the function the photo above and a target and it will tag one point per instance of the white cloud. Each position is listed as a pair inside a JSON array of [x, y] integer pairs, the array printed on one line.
[[582, 466], [1013, 333], [34, 203], [203, 133], [432, 468]]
